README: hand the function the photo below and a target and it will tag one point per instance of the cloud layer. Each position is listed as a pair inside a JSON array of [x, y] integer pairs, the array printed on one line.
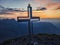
[[49, 4], [53, 5], [4, 10]]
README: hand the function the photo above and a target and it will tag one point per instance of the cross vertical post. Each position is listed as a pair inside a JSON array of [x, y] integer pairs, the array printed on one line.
[[29, 10]]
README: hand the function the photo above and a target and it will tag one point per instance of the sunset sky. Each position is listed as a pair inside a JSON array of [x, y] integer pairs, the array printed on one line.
[[52, 7], [24, 3]]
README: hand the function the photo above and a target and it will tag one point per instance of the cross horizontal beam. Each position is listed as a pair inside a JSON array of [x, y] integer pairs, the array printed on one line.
[[23, 19]]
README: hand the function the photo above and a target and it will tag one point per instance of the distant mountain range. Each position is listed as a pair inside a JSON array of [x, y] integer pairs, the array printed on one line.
[[9, 28]]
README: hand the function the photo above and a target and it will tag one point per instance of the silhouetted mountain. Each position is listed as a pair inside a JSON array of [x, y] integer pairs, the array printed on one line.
[[9, 28], [46, 27], [42, 39]]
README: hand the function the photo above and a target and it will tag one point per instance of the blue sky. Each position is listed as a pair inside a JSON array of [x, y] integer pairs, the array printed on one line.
[[24, 3]]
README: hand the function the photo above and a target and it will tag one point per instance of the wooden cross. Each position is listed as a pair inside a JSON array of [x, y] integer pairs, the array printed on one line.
[[29, 19]]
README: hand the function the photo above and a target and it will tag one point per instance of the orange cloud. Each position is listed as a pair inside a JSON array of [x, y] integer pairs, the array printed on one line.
[[49, 4], [58, 8], [43, 1], [53, 5]]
